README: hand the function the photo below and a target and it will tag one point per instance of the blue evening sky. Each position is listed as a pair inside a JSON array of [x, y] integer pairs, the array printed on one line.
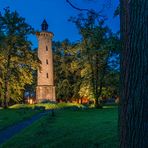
[[57, 13]]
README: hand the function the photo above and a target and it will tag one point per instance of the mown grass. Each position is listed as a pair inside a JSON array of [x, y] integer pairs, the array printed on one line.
[[19, 112], [10, 116], [71, 129]]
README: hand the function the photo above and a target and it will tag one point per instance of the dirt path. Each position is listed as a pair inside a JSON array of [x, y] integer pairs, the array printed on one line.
[[13, 130]]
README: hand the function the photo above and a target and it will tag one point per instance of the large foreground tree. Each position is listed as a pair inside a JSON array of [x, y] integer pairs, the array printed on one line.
[[134, 74]]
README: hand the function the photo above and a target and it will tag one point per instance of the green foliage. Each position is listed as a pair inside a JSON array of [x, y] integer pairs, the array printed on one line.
[[46, 105], [95, 51], [85, 90], [63, 89], [87, 69], [22, 106], [64, 77], [69, 105], [18, 61], [59, 105]]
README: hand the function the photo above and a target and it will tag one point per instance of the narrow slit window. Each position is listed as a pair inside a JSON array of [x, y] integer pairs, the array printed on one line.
[[46, 61], [46, 48], [47, 75]]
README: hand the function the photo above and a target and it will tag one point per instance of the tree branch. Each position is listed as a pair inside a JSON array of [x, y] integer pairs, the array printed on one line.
[[80, 9], [91, 11]]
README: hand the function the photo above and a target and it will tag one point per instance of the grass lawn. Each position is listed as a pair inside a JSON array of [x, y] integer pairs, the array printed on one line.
[[11, 116], [71, 129], [19, 112]]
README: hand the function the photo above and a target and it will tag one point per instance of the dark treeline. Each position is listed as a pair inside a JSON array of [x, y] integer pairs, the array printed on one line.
[[88, 69]]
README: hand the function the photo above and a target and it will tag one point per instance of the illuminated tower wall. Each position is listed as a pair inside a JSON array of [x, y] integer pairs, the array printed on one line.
[[45, 89]]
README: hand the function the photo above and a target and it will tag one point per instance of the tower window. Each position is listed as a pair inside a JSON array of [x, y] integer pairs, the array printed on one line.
[[47, 75], [46, 48], [46, 61]]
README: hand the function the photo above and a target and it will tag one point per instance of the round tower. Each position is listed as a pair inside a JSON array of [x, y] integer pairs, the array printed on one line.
[[45, 89]]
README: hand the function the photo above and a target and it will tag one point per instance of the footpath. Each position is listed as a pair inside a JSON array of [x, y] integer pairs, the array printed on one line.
[[13, 130]]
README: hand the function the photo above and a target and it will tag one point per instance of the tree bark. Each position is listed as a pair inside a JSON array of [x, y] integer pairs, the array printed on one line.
[[133, 110], [6, 85], [96, 81], [6, 94]]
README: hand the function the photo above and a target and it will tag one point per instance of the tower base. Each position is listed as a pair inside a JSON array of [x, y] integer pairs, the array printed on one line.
[[45, 93]]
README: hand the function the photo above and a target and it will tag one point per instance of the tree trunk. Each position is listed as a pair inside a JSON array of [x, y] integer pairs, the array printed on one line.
[[133, 111], [81, 100], [6, 85], [6, 94], [96, 82]]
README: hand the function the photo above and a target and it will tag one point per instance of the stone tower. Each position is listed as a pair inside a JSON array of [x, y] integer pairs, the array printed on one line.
[[45, 89]]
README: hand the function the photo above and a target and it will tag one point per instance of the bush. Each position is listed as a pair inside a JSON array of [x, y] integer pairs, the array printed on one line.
[[47, 105], [50, 105], [69, 105], [21, 106]]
